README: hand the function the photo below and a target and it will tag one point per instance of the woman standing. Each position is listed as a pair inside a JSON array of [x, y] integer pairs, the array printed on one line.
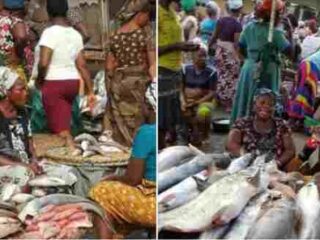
[[15, 38], [131, 199], [262, 63], [226, 37], [130, 66], [60, 67]]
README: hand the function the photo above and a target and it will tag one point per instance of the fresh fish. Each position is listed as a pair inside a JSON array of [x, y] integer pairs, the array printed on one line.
[[85, 145], [8, 190], [34, 207], [214, 177], [97, 149], [284, 189], [217, 205], [179, 194], [46, 181], [215, 233], [6, 213], [88, 154], [260, 160], [276, 220], [309, 205], [5, 220], [38, 192], [174, 156], [86, 137], [22, 198], [240, 163], [176, 174], [110, 149], [9, 229], [76, 152], [243, 223], [112, 143]]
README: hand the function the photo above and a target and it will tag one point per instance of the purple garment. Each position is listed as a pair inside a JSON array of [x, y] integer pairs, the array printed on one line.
[[228, 27]]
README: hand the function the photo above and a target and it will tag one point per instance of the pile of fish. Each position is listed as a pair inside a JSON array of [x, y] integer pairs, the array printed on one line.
[[57, 216], [9, 222], [243, 198], [87, 145]]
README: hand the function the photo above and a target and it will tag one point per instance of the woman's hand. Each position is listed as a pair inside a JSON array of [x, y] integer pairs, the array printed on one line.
[[91, 101], [111, 177], [35, 167]]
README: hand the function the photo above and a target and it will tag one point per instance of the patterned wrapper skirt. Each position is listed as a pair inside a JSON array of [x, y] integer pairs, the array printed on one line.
[[127, 205], [124, 112]]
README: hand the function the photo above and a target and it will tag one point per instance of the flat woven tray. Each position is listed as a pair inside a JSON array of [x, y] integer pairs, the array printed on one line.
[[63, 156]]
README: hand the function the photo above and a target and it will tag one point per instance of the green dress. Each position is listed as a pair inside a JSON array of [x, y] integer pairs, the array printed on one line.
[[254, 41]]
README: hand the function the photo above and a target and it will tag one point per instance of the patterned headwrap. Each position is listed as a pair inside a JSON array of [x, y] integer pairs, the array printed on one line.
[[151, 95], [130, 9], [7, 79]]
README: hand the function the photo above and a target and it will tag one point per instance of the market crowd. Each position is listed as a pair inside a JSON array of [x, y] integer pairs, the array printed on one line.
[[45, 85], [259, 67]]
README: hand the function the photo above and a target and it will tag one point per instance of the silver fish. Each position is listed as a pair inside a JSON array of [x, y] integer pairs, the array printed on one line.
[[217, 205], [276, 220], [8, 190], [309, 206], [22, 198], [215, 233], [176, 174], [213, 177], [87, 154], [179, 194], [9, 229], [46, 181], [240, 163], [86, 137], [174, 156], [243, 223]]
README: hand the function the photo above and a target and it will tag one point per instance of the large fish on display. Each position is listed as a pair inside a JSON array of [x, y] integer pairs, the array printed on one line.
[[217, 205], [308, 203], [277, 220], [174, 156], [175, 175], [240, 163]]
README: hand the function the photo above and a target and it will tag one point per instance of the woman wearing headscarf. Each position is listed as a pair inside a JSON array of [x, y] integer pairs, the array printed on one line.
[[16, 145], [131, 199], [15, 38], [130, 66], [208, 25], [261, 68], [226, 37], [60, 67], [262, 132]]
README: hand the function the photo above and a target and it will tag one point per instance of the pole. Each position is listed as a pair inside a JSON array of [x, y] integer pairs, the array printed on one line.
[[272, 21]]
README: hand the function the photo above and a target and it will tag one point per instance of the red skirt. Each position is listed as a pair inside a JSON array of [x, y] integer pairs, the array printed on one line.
[[57, 99]]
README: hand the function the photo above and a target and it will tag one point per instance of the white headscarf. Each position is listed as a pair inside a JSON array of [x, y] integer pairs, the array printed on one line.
[[151, 95], [7, 79], [235, 4]]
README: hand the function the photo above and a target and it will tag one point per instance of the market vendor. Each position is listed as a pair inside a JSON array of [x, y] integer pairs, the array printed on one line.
[[197, 95], [16, 146], [263, 132], [131, 199]]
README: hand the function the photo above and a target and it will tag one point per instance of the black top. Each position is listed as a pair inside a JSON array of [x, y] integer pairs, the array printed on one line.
[[14, 136]]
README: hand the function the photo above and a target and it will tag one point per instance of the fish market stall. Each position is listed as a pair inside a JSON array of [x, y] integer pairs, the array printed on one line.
[[215, 196]]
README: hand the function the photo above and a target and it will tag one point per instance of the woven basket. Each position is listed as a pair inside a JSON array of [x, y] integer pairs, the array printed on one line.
[[64, 156], [44, 142]]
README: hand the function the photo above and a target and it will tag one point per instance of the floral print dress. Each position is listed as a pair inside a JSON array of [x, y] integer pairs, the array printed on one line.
[[7, 45]]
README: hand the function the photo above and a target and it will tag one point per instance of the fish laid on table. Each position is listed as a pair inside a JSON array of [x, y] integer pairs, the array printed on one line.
[[308, 203], [176, 174], [240, 163], [179, 194], [277, 220], [46, 181], [217, 205], [246, 219], [174, 156]]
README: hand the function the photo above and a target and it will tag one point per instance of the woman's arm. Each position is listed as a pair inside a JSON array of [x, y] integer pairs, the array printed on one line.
[[180, 46], [215, 35], [85, 74], [206, 98], [234, 142], [20, 37], [289, 151], [43, 65]]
